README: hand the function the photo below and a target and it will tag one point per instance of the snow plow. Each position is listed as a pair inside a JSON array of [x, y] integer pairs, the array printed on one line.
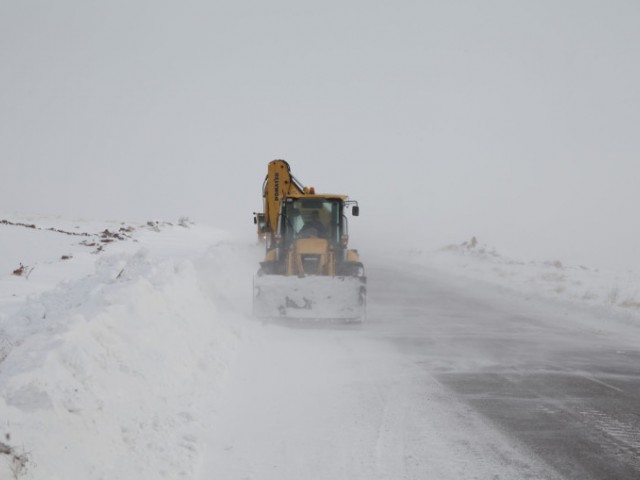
[[308, 271]]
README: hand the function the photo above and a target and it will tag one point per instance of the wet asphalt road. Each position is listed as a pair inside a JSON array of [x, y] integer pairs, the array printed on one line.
[[547, 376]]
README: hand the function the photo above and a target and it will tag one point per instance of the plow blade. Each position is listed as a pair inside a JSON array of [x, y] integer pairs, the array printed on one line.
[[309, 297]]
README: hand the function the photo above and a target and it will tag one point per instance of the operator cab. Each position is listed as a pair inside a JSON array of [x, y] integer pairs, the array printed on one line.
[[313, 218]]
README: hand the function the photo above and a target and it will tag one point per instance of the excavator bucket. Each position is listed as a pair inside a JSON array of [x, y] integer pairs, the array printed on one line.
[[311, 297]]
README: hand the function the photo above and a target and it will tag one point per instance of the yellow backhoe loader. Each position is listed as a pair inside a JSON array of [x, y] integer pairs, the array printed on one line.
[[308, 271]]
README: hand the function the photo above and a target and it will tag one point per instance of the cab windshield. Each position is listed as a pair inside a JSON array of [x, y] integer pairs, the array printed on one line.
[[313, 218]]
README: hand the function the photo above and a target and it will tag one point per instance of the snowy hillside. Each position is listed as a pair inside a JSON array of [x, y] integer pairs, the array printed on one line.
[[113, 340]]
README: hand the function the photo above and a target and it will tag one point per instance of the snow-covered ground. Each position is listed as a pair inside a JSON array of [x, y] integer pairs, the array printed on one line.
[[606, 291], [118, 360], [111, 357]]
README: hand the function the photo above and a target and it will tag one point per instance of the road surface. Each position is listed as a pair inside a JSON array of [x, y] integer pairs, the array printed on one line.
[[447, 379]]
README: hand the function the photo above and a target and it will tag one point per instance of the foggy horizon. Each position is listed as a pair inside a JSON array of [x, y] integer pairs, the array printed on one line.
[[511, 121]]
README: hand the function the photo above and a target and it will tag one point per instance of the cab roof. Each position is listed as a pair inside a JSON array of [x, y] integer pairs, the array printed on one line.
[[319, 196]]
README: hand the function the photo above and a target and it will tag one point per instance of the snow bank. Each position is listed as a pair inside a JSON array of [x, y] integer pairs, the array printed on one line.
[[114, 374], [610, 291]]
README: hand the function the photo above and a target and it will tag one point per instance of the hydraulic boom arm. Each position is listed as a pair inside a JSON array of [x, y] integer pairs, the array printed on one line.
[[278, 184]]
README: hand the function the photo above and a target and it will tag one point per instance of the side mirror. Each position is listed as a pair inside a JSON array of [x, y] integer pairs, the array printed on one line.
[[355, 210]]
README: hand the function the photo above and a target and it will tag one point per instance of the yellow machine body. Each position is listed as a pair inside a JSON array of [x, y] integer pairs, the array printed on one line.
[[308, 271]]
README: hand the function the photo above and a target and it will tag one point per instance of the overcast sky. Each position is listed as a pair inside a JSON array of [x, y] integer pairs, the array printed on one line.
[[513, 120]]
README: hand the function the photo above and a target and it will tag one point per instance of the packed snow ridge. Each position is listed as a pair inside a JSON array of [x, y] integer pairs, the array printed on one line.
[[112, 349]]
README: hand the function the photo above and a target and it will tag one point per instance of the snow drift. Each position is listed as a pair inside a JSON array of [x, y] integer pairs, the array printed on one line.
[[114, 374]]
